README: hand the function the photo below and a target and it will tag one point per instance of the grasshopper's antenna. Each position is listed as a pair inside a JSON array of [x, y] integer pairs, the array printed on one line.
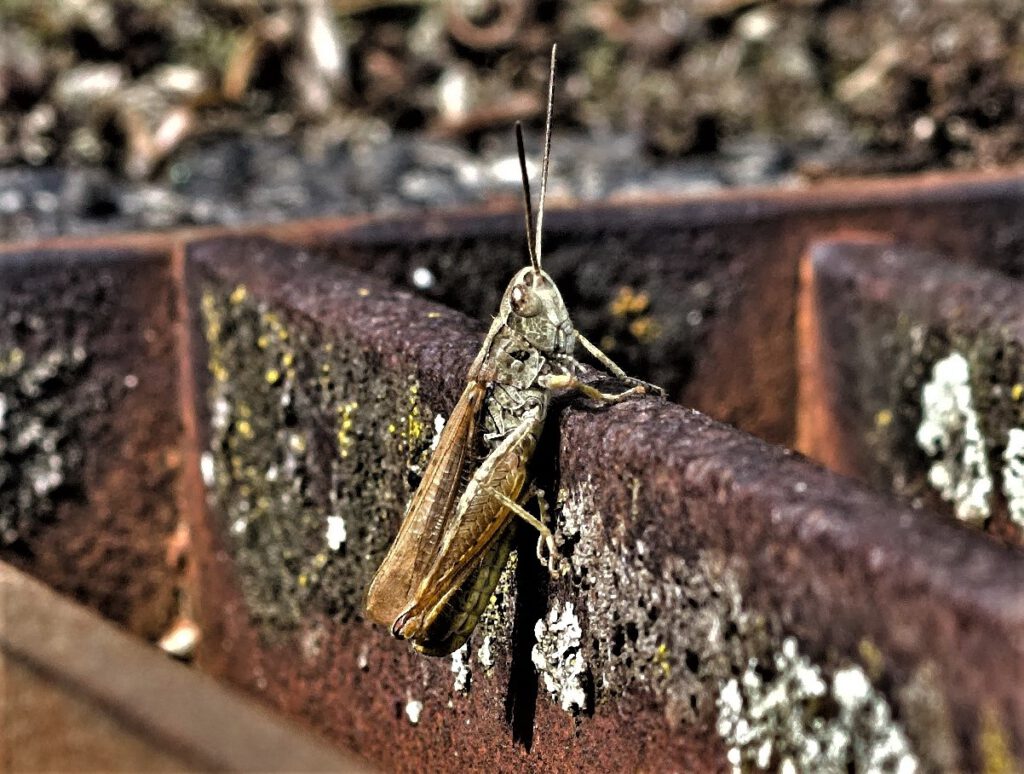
[[526, 195], [547, 158]]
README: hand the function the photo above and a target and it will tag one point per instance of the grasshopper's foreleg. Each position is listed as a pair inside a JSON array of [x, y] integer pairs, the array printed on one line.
[[618, 373], [571, 382], [546, 537]]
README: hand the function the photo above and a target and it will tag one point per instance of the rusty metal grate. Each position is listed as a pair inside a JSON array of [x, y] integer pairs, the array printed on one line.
[[730, 601]]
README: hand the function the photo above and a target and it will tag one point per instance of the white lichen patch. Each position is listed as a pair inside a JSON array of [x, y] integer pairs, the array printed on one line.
[[439, 422], [460, 668], [484, 654], [775, 717], [558, 657], [413, 710], [950, 430], [337, 534], [677, 629], [207, 468], [1013, 475], [680, 630]]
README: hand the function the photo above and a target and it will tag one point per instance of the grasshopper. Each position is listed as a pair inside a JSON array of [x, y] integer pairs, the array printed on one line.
[[440, 572]]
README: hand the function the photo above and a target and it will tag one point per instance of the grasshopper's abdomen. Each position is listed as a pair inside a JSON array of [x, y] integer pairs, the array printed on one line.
[[450, 630]]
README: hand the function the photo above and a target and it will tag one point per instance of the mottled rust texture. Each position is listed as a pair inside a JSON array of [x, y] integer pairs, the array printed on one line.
[[692, 548], [90, 432], [838, 566], [886, 315]]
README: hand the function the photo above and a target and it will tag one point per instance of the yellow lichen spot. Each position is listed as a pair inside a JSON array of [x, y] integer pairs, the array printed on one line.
[[1017, 392], [414, 427], [239, 294], [220, 373], [244, 428], [392, 428], [263, 341], [883, 418], [303, 580], [662, 660], [287, 359], [320, 560], [14, 360], [209, 307], [244, 410], [645, 328], [363, 292], [273, 376], [273, 322], [433, 315], [346, 413], [994, 744], [872, 658], [325, 368], [628, 301]]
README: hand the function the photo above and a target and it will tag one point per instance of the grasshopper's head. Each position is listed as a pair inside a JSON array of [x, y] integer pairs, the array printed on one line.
[[533, 307]]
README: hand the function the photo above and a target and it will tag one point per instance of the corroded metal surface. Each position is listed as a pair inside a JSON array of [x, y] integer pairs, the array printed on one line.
[[79, 693], [89, 442], [922, 368], [693, 549]]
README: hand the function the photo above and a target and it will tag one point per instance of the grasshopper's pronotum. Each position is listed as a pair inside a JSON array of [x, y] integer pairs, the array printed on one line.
[[440, 572]]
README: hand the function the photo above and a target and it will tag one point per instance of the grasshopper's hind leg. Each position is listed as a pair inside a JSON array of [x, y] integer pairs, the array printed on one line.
[[546, 537]]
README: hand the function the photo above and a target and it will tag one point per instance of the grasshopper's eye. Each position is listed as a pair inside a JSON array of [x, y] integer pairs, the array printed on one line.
[[524, 301]]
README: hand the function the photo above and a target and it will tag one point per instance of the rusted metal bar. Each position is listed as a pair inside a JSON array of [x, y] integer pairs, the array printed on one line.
[[80, 694], [735, 602], [697, 295], [89, 443], [920, 374]]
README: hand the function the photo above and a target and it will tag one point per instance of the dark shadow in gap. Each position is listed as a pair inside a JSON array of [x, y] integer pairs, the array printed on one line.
[[531, 605]]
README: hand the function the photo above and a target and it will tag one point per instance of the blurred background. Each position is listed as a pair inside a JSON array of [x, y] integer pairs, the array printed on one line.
[[147, 114]]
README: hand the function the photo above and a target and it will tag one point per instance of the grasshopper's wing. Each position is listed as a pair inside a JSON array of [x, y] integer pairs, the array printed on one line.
[[428, 514], [481, 520]]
